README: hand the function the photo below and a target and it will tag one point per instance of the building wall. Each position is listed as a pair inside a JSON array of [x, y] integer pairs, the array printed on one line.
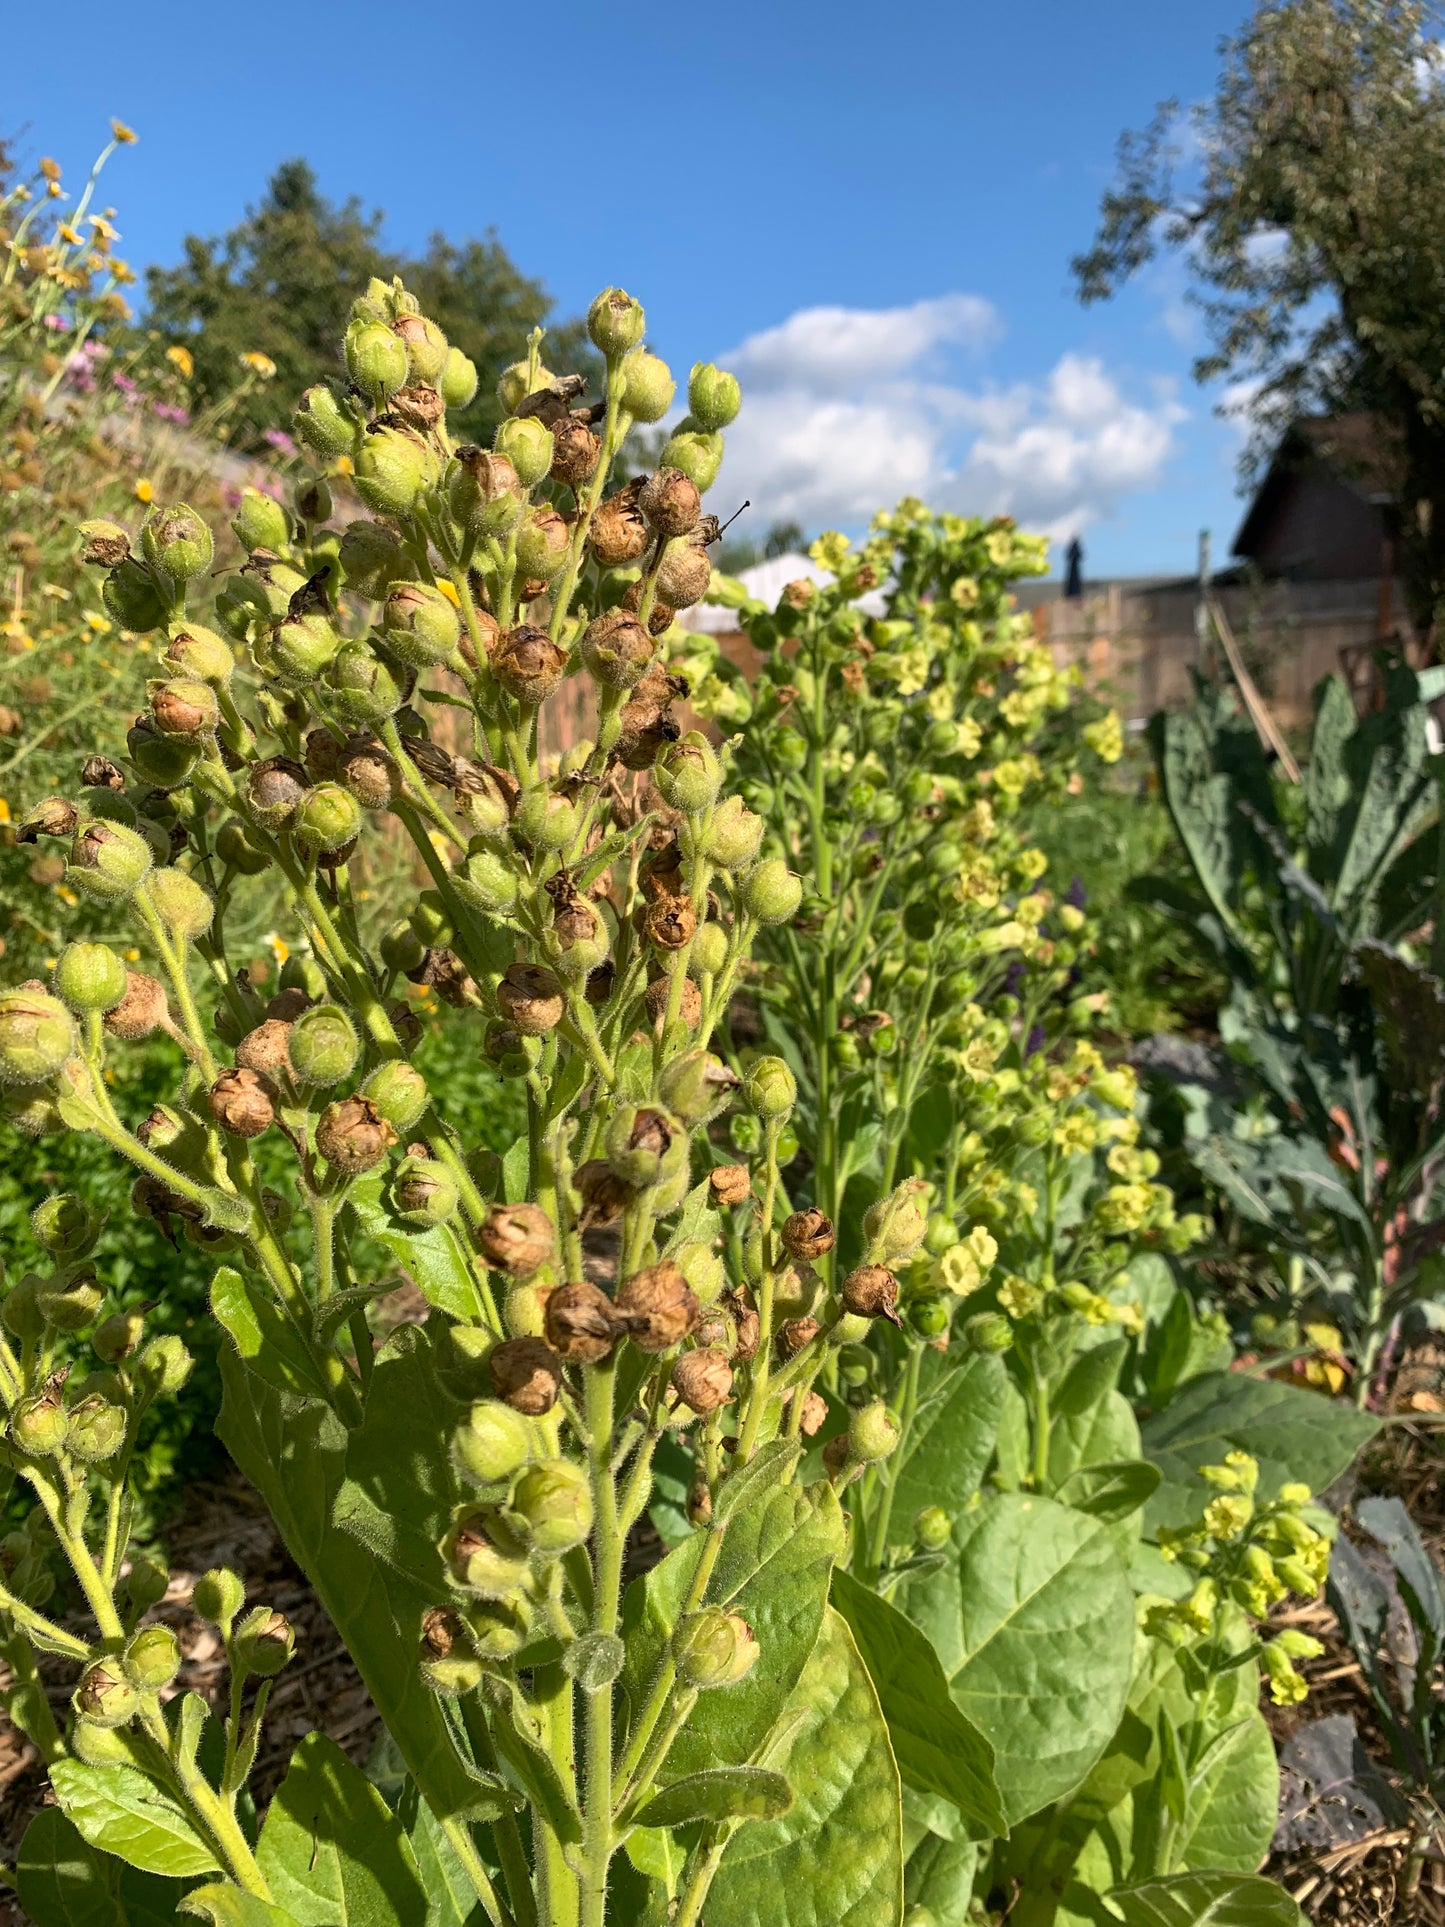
[[1320, 531]]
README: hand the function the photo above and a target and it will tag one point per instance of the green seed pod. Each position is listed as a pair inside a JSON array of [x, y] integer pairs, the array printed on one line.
[[398, 1093], [492, 1442], [942, 1234], [769, 1089], [553, 1500], [425, 344], [38, 1425], [712, 1648], [640, 1140], [183, 905], [615, 322], [648, 387], [361, 690], [165, 762], [328, 817], [431, 921], [458, 380], [393, 468], [709, 953], [484, 492], [771, 892], [872, 1434], [263, 1642], [526, 442], [688, 774], [152, 1658], [546, 820], [371, 559], [375, 358], [177, 543], [105, 1697], [146, 1582], [929, 1317], [543, 539], [988, 1332], [107, 860], [423, 1192], [323, 1045], [696, 1085], [132, 599], [895, 1225], [118, 1337], [199, 656], [487, 881], [932, 1528], [401, 948], [735, 834], [449, 1661], [97, 1430], [617, 649], [165, 1365], [324, 425], [37, 1035], [219, 1595], [713, 397], [89, 976], [260, 522], [65, 1226], [699, 456], [483, 1555], [19, 1312], [236, 850], [516, 383], [422, 626]]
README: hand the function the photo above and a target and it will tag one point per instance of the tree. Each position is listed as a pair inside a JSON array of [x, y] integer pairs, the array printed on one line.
[[1313, 223], [282, 281]]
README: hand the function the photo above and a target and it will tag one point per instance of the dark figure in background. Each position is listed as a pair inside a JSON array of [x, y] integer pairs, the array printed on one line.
[[1074, 565]]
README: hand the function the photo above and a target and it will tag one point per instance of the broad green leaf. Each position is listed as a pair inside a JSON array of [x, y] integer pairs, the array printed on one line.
[[263, 1334], [516, 1732], [1112, 1489], [939, 1875], [951, 1440], [63, 1881], [836, 1859], [938, 1749], [776, 1559], [1206, 1900], [1328, 784], [1234, 1806], [433, 1258], [332, 1851], [516, 1166], [1104, 1434], [227, 1906], [397, 1461], [655, 1852], [1294, 1434], [451, 1899], [722, 1793], [1030, 1622], [697, 1220], [294, 1453], [120, 1811], [767, 1467]]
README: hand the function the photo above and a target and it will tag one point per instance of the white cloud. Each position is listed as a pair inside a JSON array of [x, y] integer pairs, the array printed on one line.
[[846, 409]]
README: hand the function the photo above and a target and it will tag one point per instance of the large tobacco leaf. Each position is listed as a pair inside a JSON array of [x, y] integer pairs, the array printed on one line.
[[332, 1851], [120, 1811], [948, 1445], [63, 1881], [1205, 1900]]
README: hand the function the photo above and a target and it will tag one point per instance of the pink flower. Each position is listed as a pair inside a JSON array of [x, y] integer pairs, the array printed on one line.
[[278, 439], [125, 384]]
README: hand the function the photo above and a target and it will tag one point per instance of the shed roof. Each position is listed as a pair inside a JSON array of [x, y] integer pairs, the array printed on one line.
[[1358, 450]]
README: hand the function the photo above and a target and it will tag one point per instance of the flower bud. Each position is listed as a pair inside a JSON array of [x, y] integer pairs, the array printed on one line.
[[526, 442], [491, 1443], [105, 1697], [988, 1332], [657, 1307], [528, 664], [713, 397], [394, 467], [263, 1642], [771, 893], [397, 1093], [580, 1322], [147, 1582], [458, 379], [699, 456], [323, 1045], [260, 522], [713, 1648], [543, 539], [688, 774], [243, 1103], [769, 1089], [89, 976], [526, 1374], [177, 543], [730, 1184], [531, 999], [165, 1365], [183, 905], [734, 836], [696, 1085], [324, 425], [616, 649], [932, 1528], [352, 1135], [141, 1011], [872, 1434], [553, 1499], [375, 359], [327, 818], [107, 860], [106, 544], [37, 1035], [423, 1192], [422, 626], [425, 344], [647, 387], [65, 1226], [575, 452], [618, 533], [152, 1658], [615, 322], [219, 1595], [118, 1337]]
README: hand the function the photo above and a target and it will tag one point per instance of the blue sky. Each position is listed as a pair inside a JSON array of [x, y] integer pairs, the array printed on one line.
[[869, 210]]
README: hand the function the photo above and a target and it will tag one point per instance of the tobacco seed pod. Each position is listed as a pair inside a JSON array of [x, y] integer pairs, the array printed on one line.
[[734, 835], [147, 1582], [375, 358], [794, 1335], [485, 492], [553, 1500], [323, 1046], [703, 1380], [97, 1429], [275, 790], [243, 1103], [615, 322], [218, 1596], [263, 1049], [870, 1292], [730, 1184], [618, 534], [183, 905], [697, 453], [327, 818], [105, 1697], [517, 1238], [771, 892], [526, 1374], [528, 664], [713, 1648], [895, 1225], [483, 1554], [108, 860], [64, 1225], [580, 1322], [988, 1332], [616, 649], [19, 1313], [648, 387], [526, 442], [164, 1365], [394, 467], [837, 1459], [422, 626], [491, 1443], [152, 1658], [699, 1503], [872, 1434], [38, 1425], [713, 397], [424, 1192], [426, 347], [398, 1093], [106, 544], [658, 1306], [458, 379], [131, 598], [369, 774], [546, 819], [639, 1138], [670, 502], [449, 1663], [352, 1135], [89, 976], [695, 1085], [201, 657], [176, 542], [37, 1035], [142, 1010], [575, 452], [808, 1234], [263, 1642], [932, 1528], [543, 539], [769, 1089], [324, 425], [688, 774], [118, 1337], [531, 999], [260, 522], [184, 708], [815, 1411]]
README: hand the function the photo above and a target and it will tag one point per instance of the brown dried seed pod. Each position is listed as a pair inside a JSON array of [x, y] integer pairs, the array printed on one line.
[[489, 629], [441, 1631], [703, 1380], [815, 1410], [352, 1135], [671, 502], [528, 664], [617, 649], [243, 1103], [600, 982], [684, 574], [323, 755], [659, 617], [743, 1311], [835, 1456], [659, 1307], [177, 715], [690, 1009], [275, 788], [53, 817], [660, 873], [573, 923], [100, 773], [645, 731], [406, 1025], [575, 451], [369, 773], [671, 923], [699, 1503], [581, 1323], [419, 405], [526, 1374], [870, 1292], [516, 1238], [619, 531], [730, 1184], [717, 1327], [531, 999], [794, 1334], [604, 1196], [808, 1234], [142, 1010], [443, 971], [264, 1048], [287, 1005]]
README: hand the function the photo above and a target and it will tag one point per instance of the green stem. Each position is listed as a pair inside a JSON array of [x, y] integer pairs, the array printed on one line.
[[597, 1841]]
